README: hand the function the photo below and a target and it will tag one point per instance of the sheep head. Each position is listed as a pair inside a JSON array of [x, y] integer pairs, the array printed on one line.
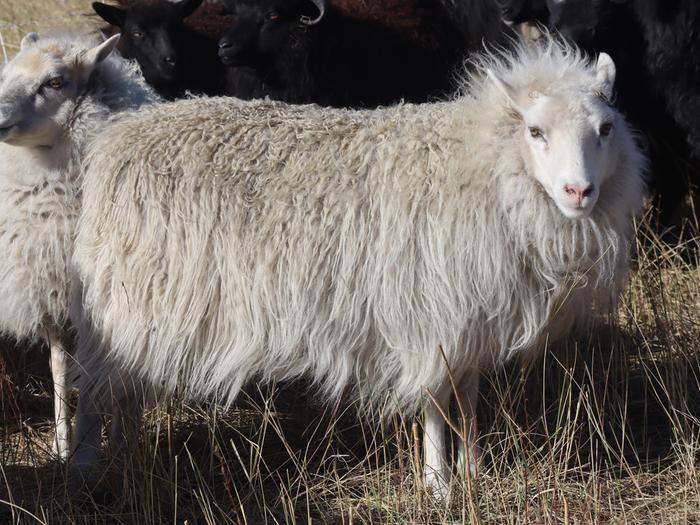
[[585, 22], [263, 28], [519, 11], [151, 35], [40, 86], [569, 147]]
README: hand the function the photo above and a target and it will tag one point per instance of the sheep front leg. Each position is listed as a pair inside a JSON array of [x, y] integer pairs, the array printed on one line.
[[436, 472], [60, 364], [469, 452]]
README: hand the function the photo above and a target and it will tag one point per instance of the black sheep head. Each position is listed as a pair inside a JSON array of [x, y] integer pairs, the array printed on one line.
[[263, 29], [583, 22], [519, 11], [152, 34]]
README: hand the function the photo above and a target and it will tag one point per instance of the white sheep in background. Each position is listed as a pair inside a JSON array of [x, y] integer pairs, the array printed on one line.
[[222, 242], [53, 95]]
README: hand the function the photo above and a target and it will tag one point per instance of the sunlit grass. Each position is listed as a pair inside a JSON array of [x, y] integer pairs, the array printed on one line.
[[19, 17]]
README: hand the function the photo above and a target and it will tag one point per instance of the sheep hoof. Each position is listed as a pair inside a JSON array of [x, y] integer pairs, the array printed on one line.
[[82, 479], [60, 449], [468, 465], [84, 462], [438, 484]]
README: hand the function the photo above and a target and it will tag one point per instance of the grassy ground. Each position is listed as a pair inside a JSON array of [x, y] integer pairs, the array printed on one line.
[[18, 17], [603, 429]]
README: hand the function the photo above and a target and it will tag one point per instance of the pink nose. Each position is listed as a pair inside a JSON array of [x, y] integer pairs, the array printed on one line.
[[577, 193]]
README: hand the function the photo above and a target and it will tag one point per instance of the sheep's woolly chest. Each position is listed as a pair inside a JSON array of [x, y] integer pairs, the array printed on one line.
[[36, 239]]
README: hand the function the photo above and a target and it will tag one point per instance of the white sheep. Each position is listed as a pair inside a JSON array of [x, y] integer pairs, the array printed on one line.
[[53, 94], [222, 242]]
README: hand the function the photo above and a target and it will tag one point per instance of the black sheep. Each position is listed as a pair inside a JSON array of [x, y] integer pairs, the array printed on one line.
[[671, 30], [175, 57], [309, 51]]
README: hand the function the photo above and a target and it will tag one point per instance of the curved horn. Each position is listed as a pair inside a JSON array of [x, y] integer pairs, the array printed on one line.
[[321, 6]]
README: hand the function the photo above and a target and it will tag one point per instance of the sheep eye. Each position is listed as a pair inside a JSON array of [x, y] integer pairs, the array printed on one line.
[[55, 83], [137, 34], [272, 16], [536, 133], [605, 129]]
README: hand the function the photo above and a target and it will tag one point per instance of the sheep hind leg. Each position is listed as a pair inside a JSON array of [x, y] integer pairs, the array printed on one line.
[[469, 452], [436, 471], [127, 410], [60, 365], [88, 435]]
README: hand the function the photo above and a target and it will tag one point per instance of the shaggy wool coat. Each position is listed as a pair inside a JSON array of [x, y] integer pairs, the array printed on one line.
[[222, 241]]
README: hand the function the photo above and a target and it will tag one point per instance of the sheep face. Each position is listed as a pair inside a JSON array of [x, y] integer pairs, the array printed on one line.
[[519, 11], [580, 21], [262, 28], [151, 35], [39, 87], [569, 147]]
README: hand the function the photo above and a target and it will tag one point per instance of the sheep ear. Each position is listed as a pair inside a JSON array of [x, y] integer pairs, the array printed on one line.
[[28, 40], [110, 14], [97, 54], [506, 89], [187, 7], [605, 74]]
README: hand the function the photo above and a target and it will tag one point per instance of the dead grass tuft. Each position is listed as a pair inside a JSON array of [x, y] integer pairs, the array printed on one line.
[[19, 17]]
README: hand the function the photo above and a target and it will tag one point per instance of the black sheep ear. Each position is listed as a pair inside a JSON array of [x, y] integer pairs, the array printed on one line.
[[187, 7], [110, 13]]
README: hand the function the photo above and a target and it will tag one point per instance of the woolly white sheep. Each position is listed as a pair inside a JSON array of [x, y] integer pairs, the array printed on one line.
[[222, 241], [52, 96]]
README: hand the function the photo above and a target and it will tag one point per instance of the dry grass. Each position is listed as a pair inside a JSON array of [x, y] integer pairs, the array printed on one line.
[[603, 429], [18, 17]]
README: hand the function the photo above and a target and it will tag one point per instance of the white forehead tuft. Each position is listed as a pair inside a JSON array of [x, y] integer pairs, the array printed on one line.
[[558, 111], [48, 54], [32, 63], [548, 66]]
